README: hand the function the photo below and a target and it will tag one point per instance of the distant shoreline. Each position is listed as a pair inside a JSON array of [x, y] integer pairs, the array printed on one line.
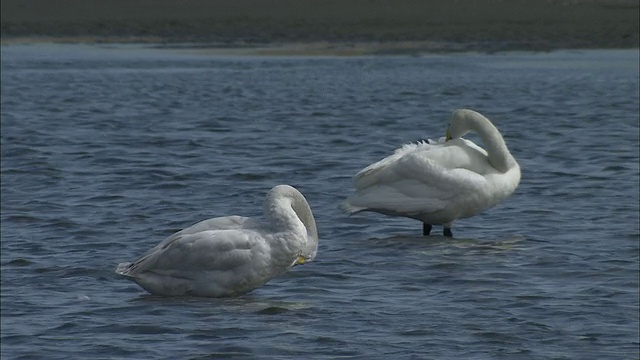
[[334, 26]]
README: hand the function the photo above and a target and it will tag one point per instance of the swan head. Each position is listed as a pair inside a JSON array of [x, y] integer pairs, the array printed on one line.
[[459, 123]]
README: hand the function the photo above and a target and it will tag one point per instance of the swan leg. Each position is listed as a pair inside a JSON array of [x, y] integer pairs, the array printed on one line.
[[447, 232], [426, 229]]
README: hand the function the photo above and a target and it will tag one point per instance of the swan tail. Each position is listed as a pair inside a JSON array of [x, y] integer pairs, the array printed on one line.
[[347, 207]]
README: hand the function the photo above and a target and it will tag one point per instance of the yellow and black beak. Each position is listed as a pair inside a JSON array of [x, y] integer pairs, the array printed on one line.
[[448, 136]]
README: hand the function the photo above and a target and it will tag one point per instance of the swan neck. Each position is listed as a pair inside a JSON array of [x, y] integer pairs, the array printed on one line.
[[288, 209], [303, 211], [498, 153]]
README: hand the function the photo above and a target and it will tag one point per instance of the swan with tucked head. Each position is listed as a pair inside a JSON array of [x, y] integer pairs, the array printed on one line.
[[440, 182], [232, 255]]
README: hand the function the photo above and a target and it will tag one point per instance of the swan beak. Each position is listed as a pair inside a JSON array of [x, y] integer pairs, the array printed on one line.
[[300, 260], [448, 136]]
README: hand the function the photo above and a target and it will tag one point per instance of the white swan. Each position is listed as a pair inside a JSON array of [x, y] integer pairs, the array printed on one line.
[[437, 183], [229, 256]]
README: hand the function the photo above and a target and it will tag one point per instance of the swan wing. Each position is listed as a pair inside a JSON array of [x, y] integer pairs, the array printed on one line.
[[211, 250], [422, 181], [218, 223], [425, 189], [209, 263], [370, 173]]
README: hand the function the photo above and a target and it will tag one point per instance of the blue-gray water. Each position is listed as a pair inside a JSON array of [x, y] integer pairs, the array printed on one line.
[[106, 151]]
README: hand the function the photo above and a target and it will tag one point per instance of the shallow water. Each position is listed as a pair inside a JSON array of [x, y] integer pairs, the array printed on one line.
[[107, 150]]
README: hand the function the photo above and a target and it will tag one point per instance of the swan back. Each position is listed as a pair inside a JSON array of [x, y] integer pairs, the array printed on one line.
[[288, 211]]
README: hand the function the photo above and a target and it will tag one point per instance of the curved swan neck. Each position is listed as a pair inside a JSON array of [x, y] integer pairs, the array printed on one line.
[[286, 206], [498, 153]]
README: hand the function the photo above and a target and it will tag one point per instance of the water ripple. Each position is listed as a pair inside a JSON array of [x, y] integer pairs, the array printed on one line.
[[105, 152]]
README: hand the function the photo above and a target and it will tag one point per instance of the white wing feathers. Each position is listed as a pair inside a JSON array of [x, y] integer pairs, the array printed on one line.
[[418, 178], [368, 175], [219, 223], [210, 250]]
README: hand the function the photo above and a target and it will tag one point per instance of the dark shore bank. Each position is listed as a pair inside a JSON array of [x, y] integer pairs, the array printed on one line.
[[431, 25]]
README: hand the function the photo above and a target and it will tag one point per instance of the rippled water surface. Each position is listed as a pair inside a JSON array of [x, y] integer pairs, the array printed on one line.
[[106, 151]]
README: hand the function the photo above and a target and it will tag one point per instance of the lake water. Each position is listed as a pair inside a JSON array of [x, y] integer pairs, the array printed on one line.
[[106, 150]]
